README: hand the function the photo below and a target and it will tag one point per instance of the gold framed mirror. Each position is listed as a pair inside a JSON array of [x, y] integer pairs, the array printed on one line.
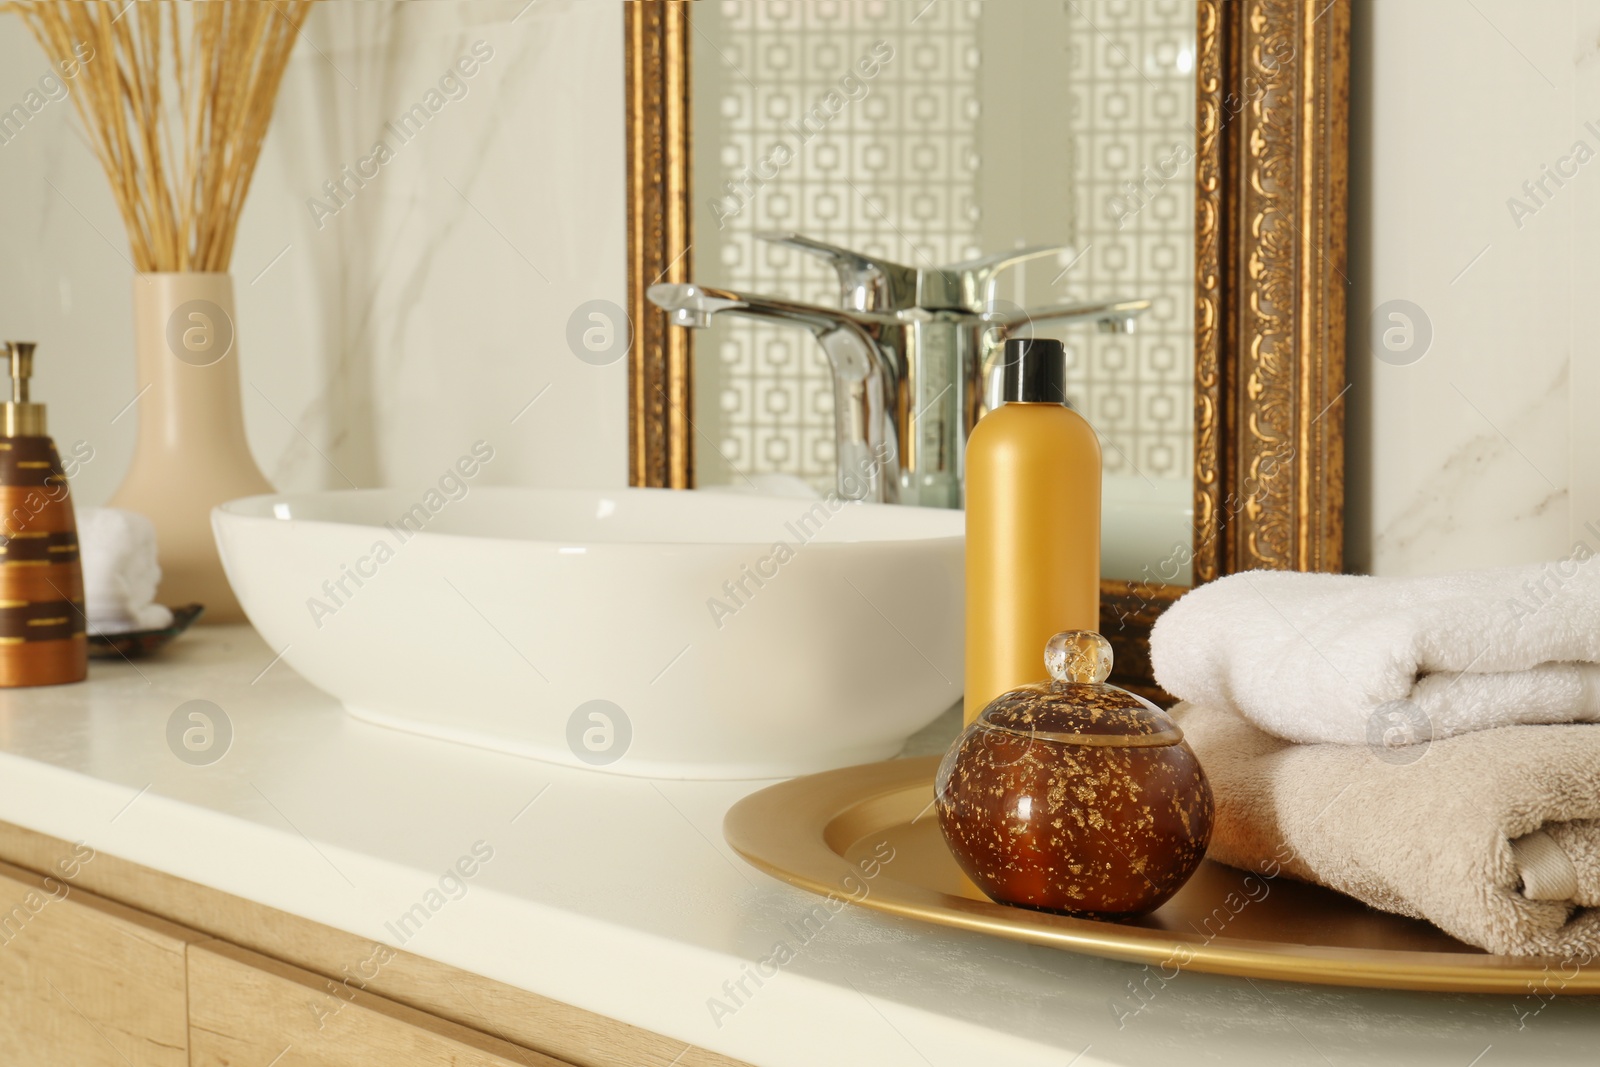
[[1271, 83]]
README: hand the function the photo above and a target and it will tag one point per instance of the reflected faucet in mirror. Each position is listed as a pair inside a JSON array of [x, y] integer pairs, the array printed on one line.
[[911, 351]]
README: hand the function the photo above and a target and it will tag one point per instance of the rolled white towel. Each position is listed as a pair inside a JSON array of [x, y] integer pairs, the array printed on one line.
[[1361, 660], [120, 572]]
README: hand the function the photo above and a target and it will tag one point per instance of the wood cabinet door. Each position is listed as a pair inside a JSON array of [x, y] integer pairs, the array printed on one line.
[[247, 1010], [87, 982]]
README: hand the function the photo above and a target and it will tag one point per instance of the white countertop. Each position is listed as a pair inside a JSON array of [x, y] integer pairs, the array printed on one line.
[[619, 896]]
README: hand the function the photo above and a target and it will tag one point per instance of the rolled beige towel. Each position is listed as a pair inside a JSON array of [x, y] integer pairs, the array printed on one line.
[[1493, 836]]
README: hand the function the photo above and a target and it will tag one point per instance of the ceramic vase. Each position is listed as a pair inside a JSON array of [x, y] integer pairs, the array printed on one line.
[[191, 453]]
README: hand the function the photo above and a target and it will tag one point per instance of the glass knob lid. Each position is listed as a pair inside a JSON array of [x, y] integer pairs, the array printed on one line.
[[1078, 656]]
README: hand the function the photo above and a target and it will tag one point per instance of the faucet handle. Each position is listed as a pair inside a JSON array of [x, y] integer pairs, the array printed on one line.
[[866, 283], [969, 285]]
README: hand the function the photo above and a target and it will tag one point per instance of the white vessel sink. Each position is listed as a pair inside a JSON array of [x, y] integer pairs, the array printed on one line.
[[642, 631]]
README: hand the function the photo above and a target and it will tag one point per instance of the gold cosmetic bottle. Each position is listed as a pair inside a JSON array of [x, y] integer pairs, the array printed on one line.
[[41, 582], [1033, 524]]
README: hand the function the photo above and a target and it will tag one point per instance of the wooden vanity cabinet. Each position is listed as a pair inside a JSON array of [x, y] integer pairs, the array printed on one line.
[[216, 981], [86, 981], [247, 1010], [89, 982]]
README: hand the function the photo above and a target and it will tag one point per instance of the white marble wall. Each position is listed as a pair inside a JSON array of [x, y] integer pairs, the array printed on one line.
[[1486, 449], [423, 315]]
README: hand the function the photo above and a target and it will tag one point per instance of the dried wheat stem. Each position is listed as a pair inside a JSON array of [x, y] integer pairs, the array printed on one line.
[[178, 141]]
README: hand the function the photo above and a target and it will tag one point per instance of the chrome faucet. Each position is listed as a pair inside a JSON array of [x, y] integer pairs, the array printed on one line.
[[911, 351]]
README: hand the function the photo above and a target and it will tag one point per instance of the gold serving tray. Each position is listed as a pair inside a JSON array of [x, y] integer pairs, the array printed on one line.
[[833, 833]]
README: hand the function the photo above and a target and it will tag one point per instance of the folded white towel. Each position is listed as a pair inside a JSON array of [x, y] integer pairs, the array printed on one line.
[[120, 572], [1356, 660]]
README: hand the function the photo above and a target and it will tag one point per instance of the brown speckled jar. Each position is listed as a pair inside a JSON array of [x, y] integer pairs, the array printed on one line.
[[1073, 795]]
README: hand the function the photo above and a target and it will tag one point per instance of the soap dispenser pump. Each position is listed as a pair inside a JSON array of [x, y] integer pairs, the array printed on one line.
[[42, 621]]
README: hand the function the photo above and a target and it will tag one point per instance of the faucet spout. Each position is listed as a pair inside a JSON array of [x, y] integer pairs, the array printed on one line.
[[690, 305], [912, 355], [1116, 316], [866, 354]]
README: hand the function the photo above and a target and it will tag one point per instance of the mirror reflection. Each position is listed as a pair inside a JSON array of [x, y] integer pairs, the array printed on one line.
[[885, 191]]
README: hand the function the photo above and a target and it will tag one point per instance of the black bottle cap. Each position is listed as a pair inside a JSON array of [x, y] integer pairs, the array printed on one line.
[[1035, 371]]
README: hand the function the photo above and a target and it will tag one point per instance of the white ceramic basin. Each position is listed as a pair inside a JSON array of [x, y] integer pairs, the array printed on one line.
[[644, 631]]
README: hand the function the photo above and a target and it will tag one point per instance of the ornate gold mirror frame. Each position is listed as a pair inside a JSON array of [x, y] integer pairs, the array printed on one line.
[[1271, 165]]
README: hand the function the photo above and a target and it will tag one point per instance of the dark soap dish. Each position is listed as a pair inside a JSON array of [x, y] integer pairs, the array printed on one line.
[[137, 644]]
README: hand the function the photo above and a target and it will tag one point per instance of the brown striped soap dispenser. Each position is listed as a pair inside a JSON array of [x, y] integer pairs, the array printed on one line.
[[42, 620]]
